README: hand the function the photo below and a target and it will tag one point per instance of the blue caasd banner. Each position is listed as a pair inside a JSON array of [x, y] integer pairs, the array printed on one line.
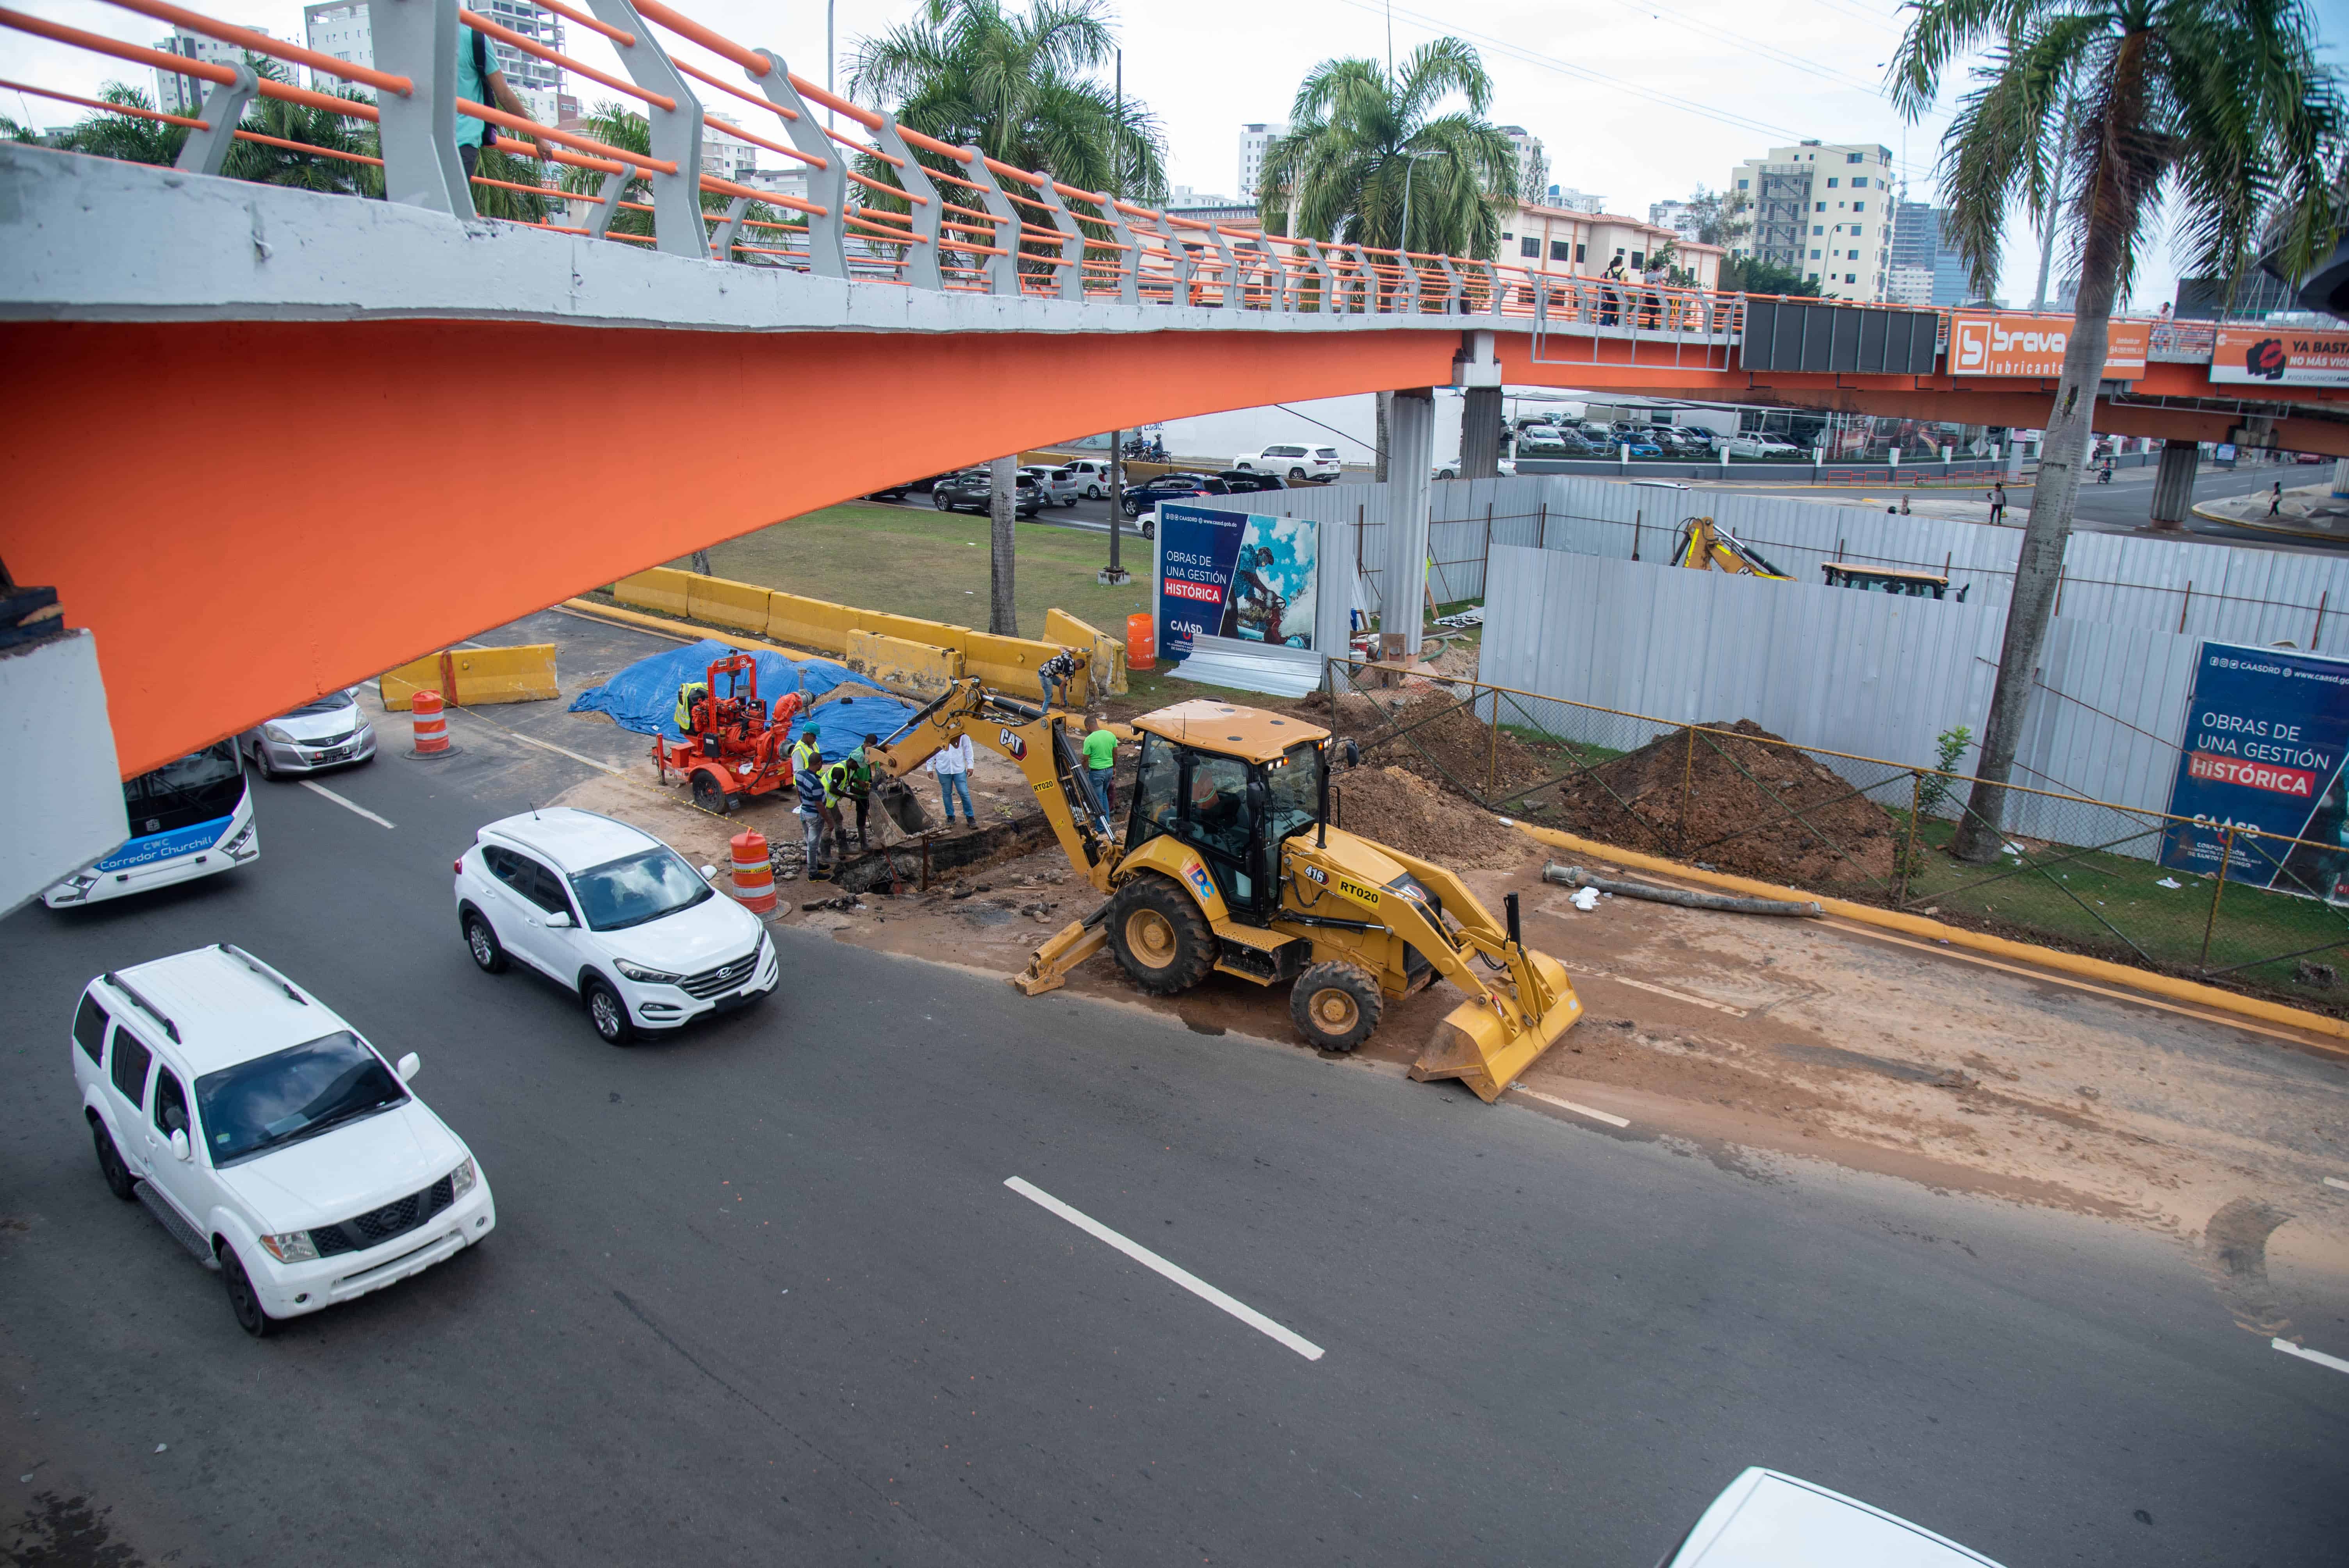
[[1234, 574], [2266, 729]]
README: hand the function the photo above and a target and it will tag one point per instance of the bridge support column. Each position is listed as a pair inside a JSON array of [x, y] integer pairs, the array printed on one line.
[[1402, 585], [2173, 483], [1479, 374], [2340, 478]]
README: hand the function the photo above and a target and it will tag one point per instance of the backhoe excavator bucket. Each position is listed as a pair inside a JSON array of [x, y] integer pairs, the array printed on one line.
[[1474, 1044], [1049, 965]]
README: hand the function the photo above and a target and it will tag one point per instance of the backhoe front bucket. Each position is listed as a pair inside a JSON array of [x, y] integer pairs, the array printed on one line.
[[1475, 1047]]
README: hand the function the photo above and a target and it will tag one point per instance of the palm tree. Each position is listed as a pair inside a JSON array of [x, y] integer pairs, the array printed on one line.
[[134, 140], [2217, 107], [125, 137], [1365, 144], [614, 125], [1020, 88]]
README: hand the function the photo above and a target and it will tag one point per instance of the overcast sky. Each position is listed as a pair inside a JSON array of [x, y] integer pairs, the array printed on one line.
[[1637, 101]]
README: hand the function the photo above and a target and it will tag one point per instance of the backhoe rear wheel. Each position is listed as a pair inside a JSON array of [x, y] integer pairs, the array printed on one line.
[[1159, 934], [1335, 1006]]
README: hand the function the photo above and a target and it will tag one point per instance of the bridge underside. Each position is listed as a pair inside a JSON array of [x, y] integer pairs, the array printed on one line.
[[248, 513]]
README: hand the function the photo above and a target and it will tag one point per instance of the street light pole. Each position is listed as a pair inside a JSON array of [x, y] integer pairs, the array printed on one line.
[[831, 55], [1115, 572]]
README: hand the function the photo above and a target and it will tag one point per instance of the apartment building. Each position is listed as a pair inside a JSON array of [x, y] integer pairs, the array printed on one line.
[[1565, 240], [1253, 139], [1925, 271], [176, 94], [1533, 162], [1824, 208], [342, 28], [1678, 216]]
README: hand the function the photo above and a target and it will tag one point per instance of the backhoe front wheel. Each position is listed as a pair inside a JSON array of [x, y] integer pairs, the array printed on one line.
[[1335, 1006], [1160, 937]]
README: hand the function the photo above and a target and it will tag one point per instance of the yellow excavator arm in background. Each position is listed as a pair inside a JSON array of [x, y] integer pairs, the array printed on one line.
[[1704, 543]]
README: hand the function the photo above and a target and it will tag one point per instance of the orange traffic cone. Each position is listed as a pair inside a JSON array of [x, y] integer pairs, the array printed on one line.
[[754, 873]]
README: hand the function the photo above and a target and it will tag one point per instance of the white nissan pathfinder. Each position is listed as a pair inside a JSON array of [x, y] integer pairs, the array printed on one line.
[[267, 1136]]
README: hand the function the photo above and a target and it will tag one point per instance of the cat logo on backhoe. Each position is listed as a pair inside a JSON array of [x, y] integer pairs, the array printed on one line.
[[1013, 747]]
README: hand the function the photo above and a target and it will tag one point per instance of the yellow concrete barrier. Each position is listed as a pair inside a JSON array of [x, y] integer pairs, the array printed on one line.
[[1007, 664], [474, 677], [721, 602], [1105, 670], [1959, 936], [662, 588], [903, 666], [816, 624]]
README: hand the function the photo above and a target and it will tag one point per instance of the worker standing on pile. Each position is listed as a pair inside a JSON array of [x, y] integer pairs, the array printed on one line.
[[838, 793], [952, 765], [859, 778], [1101, 761], [807, 777]]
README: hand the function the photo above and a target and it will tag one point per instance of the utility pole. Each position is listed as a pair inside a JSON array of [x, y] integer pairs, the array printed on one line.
[[830, 54], [1115, 572]]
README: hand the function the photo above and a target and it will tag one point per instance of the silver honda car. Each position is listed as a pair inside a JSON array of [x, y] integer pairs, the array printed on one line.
[[327, 732]]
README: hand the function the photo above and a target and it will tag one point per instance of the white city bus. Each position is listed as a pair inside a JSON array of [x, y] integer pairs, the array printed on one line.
[[187, 819]]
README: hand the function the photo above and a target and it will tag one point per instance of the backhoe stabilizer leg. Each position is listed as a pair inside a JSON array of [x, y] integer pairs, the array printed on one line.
[[1049, 966], [1474, 1044]]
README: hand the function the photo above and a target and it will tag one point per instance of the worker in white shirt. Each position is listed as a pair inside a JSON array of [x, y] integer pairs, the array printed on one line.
[[952, 764]]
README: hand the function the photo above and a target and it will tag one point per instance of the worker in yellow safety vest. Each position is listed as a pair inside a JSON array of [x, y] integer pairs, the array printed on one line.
[[688, 696]]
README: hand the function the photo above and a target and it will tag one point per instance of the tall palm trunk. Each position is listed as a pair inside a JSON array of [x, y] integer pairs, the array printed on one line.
[[1002, 494], [2055, 499], [1386, 406]]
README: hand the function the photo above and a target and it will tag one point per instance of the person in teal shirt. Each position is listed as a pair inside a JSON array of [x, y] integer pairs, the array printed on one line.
[[1100, 762], [479, 79]]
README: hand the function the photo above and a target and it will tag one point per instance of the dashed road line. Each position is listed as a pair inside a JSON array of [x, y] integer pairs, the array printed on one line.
[[346, 805], [1180, 1275], [2336, 1182], [1611, 1119], [1665, 990], [2322, 1359]]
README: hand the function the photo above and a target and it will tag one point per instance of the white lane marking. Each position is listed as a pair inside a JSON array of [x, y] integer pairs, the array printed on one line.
[[345, 805], [2322, 1359], [1181, 1276], [2336, 1182], [541, 745], [1578, 1110], [1664, 991]]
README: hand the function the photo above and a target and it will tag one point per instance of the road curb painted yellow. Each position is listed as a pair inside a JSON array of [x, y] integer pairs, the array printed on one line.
[[1959, 936]]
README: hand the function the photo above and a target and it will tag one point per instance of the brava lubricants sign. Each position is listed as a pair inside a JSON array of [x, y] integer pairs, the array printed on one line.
[[1233, 574], [2005, 344], [2265, 738]]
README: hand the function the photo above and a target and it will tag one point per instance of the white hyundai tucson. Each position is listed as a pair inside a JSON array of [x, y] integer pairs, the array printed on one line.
[[267, 1136], [613, 914]]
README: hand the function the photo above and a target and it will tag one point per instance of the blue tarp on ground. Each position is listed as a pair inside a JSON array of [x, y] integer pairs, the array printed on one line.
[[643, 697]]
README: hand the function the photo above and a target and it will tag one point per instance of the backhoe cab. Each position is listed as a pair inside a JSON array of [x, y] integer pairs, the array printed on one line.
[[1227, 860]]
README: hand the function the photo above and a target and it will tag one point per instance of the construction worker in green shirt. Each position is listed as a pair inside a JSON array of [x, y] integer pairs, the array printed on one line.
[[1101, 761]]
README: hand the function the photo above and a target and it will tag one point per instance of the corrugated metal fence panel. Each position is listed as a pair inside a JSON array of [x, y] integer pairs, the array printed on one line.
[[2104, 723], [1868, 674]]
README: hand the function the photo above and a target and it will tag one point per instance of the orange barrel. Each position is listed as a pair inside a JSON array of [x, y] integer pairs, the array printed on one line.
[[1141, 642], [432, 724], [754, 873]]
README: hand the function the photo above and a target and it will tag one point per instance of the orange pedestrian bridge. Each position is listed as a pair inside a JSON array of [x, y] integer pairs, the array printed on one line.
[[267, 441]]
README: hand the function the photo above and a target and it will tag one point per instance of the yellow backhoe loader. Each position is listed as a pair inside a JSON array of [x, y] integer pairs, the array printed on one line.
[[1227, 861], [1704, 543]]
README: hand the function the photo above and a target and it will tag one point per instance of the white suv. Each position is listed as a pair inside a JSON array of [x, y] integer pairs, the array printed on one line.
[[271, 1139], [1293, 463], [610, 912], [1059, 485]]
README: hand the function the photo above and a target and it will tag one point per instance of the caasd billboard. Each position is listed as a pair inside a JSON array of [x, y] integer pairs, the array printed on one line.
[[2002, 344]]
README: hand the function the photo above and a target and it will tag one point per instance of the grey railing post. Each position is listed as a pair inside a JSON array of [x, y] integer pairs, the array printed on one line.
[[1366, 281], [1455, 297], [418, 39], [676, 133], [1129, 282], [1231, 268], [608, 197], [827, 184], [1003, 270], [1073, 241], [924, 213], [1319, 265], [722, 241], [206, 151]]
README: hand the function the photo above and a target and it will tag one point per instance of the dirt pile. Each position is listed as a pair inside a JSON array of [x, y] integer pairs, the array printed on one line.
[[1446, 737], [1395, 806], [1753, 807]]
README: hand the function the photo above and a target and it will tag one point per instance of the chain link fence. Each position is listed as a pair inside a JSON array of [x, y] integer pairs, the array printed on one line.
[[2255, 911]]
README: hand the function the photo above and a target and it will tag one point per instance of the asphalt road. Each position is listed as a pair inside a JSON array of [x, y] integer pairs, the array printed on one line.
[[760, 1292]]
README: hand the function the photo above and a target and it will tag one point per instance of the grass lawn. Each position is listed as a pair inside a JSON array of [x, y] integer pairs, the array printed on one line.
[[2079, 892], [932, 564]]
